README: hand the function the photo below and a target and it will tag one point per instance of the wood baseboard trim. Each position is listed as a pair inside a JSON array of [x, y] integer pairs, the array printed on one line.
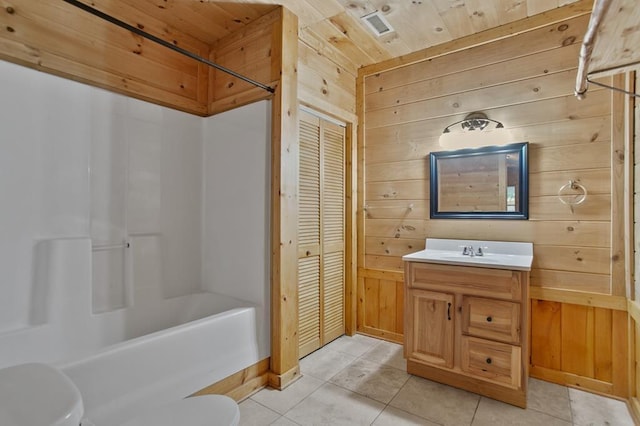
[[451, 378], [281, 381], [242, 384], [381, 334], [634, 408], [574, 381]]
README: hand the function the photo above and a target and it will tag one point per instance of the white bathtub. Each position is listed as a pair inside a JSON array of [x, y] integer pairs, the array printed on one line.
[[125, 360], [169, 364]]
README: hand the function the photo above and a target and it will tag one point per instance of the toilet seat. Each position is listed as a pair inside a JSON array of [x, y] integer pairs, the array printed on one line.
[[37, 394], [41, 395], [205, 410]]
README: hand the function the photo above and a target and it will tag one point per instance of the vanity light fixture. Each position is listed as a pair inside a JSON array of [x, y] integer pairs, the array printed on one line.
[[475, 130]]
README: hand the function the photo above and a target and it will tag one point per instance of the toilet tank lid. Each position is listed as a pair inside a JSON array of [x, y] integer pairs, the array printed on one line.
[[38, 394]]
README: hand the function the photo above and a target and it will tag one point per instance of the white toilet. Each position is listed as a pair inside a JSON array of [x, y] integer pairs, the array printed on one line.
[[40, 395]]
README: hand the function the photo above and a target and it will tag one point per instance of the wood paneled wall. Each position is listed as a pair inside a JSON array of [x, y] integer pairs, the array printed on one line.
[[284, 205], [634, 264], [252, 52], [634, 365], [58, 38], [579, 320], [327, 79], [55, 37]]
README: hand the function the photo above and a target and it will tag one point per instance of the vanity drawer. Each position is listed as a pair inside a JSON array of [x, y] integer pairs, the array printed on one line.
[[491, 319], [495, 283], [492, 360]]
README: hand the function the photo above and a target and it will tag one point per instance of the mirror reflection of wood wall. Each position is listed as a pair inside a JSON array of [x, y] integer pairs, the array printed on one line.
[[483, 183]]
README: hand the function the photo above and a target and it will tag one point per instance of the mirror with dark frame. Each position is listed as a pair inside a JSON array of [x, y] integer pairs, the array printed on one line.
[[481, 183]]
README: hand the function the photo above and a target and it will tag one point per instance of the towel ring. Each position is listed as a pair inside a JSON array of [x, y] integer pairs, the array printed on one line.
[[577, 198]]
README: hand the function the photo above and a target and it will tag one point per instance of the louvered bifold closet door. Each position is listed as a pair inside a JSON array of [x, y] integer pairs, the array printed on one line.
[[332, 229], [320, 233], [309, 235]]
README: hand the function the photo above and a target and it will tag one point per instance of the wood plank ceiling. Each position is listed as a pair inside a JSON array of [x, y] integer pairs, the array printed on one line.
[[616, 44], [417, 24]]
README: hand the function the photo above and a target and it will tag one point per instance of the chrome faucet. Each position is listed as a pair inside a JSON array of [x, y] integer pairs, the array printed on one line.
[[468, 251]]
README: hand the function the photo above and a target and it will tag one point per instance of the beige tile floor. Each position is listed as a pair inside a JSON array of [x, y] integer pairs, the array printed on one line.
[[363, 381]]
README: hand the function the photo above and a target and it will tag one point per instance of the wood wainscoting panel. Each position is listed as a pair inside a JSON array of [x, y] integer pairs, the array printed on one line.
[[579, 346], [546, 336], [381, 304]]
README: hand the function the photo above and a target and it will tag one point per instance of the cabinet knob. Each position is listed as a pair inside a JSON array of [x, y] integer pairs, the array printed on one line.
[[308, 253], [489, 319], [488, 361]]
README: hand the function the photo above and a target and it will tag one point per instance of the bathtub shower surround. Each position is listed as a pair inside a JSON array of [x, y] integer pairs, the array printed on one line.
[[118, 220], [133, 376]]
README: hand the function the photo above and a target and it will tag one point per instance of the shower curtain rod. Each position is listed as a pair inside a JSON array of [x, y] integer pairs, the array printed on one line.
[[584, 77], [165, 43], [586, 50]]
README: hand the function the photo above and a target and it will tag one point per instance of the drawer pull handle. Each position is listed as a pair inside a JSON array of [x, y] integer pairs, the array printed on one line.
[[488, 360], [489, 319], [449, 311]]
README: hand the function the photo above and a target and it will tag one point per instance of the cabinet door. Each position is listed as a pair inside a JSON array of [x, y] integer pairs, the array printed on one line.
[[430, 337]]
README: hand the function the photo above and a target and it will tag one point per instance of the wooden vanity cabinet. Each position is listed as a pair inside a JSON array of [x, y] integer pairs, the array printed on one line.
[[467, 327]]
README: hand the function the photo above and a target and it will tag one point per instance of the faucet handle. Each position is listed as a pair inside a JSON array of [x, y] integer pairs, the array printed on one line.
[[465, 250], [479, 251]]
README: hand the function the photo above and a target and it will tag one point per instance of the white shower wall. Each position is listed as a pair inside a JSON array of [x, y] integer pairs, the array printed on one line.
[[44, 176], [237, 188], [236, 223], [81, 162]]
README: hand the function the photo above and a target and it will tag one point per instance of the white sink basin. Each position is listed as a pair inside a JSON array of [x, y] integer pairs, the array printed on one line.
[[496, 254]]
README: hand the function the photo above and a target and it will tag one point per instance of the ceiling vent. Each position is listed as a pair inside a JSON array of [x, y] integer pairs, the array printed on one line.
[[377, 23]]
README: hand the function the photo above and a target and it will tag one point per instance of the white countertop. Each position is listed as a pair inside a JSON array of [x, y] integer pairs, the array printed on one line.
[[496, 254]]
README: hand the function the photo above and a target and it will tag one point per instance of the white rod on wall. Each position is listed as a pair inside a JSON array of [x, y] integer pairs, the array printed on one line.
[[597, 16]]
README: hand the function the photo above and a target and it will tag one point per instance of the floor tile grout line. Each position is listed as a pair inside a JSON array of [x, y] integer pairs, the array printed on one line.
[[353, 358], [268, 408], [386, 405], [477, 405], [552, 415], [473, 418], [303, 399], [361, 394], [570, 406], [384, 365], [400, 409]]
